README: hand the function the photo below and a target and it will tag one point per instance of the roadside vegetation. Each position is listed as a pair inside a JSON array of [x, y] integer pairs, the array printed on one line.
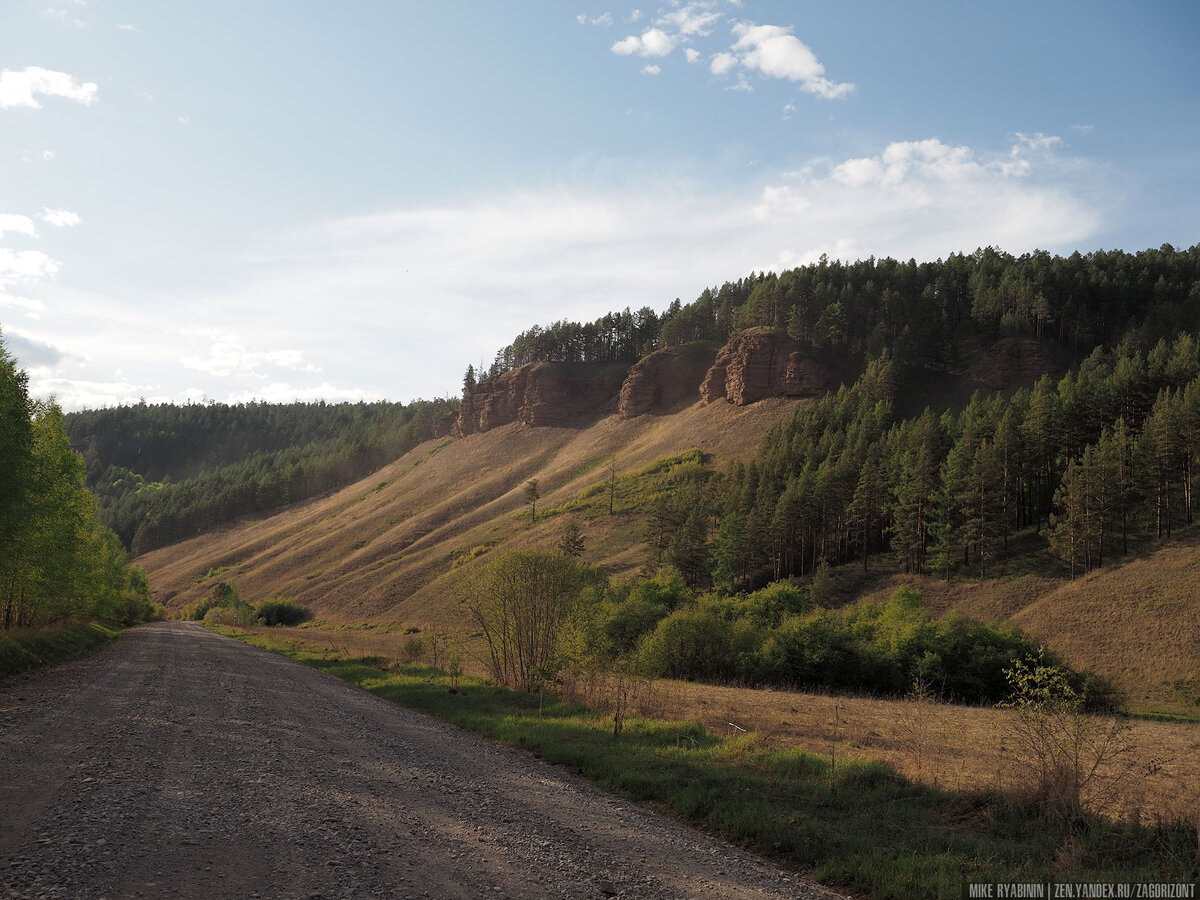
[[225, 606], [58, 562], [850, 823], [23, 650]]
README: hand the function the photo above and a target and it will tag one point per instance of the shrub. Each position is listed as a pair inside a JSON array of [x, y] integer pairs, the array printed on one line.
[[282, 612], [1072, 759], [697, 642]]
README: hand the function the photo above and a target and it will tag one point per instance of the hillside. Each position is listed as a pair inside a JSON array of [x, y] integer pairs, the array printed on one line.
[[383, 549], [1041, 423]]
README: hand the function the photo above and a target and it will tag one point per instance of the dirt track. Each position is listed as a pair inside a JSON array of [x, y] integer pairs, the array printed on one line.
[[180, 763]]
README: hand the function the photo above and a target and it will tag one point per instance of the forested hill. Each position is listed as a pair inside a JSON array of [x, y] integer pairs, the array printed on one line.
[[165, 472], [928, 317]]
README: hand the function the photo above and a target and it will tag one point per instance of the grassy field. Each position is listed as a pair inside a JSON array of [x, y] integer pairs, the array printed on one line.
[[939, 745], [849, 821]]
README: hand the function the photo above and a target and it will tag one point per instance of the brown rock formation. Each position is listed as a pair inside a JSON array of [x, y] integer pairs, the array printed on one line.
[[665, 378], [541, 394], [759, 363]]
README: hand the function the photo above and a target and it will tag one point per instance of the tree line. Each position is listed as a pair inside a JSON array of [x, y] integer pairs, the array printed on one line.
[[57, 559], [925, 315], [166, 472]]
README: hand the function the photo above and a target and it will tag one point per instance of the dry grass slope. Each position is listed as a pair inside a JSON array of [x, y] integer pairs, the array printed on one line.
[[384, 550]]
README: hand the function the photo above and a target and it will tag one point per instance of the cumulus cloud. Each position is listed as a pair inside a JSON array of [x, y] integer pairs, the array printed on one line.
[[722, 63], [20, 89], [777, 53], [651, 70], [14, 224], [692, 54], [652, 42], [60, 218]]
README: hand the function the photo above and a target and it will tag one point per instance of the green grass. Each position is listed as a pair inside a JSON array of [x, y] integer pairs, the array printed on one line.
[[867, 828], [634, 490], [22, 651], [211, 573]]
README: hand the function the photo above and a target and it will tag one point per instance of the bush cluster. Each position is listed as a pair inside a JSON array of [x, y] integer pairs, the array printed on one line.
[[225, 606], [778, 636]]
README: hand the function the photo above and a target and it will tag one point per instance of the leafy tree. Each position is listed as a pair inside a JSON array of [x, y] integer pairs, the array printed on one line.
[[522, 604]]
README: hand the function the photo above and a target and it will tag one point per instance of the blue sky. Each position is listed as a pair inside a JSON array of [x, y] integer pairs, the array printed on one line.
[[354, 200]]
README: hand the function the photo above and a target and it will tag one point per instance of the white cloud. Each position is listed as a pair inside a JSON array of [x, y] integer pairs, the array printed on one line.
[[25, 267], [924, 159], [131, 28], [228, 355], [14, 224], [722, 63], [60, 218], [1038, 141], [184, 120], [692, 54], [635, 15], [19, 89], [653, 42], [651, 70], [777, 53], [693, 19], [47, 155], [601, 21]]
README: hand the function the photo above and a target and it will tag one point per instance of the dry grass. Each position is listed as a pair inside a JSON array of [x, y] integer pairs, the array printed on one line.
[[382, 550], [941, 745], [953, 747]]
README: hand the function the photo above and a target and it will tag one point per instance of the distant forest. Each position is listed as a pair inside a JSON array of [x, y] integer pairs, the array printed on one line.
[[165, 473]]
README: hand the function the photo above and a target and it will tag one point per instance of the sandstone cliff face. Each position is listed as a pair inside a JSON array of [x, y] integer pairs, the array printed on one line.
[[665, 378], [541, 394], [759, 363]]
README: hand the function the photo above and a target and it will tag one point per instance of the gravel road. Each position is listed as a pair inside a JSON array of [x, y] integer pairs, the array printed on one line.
[[181, 763]]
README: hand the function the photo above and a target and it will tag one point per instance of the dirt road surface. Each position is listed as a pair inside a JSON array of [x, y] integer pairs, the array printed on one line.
[[184, 764]]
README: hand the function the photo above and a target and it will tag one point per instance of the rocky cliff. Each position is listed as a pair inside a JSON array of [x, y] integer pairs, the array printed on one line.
[[541, 394], [760, 363], [665, 379], [756, 364]]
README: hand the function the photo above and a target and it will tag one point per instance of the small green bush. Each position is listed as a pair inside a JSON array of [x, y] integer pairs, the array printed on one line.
[[282, 612]]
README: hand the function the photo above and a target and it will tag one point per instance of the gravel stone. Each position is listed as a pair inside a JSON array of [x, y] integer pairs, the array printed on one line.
[[179, 763]]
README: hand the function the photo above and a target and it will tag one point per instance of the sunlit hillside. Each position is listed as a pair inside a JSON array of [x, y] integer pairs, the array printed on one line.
[[391, 547]]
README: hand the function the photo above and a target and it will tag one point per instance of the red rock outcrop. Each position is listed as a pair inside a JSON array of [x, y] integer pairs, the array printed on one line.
[[759, 363], [541, 394], [665, 378]]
